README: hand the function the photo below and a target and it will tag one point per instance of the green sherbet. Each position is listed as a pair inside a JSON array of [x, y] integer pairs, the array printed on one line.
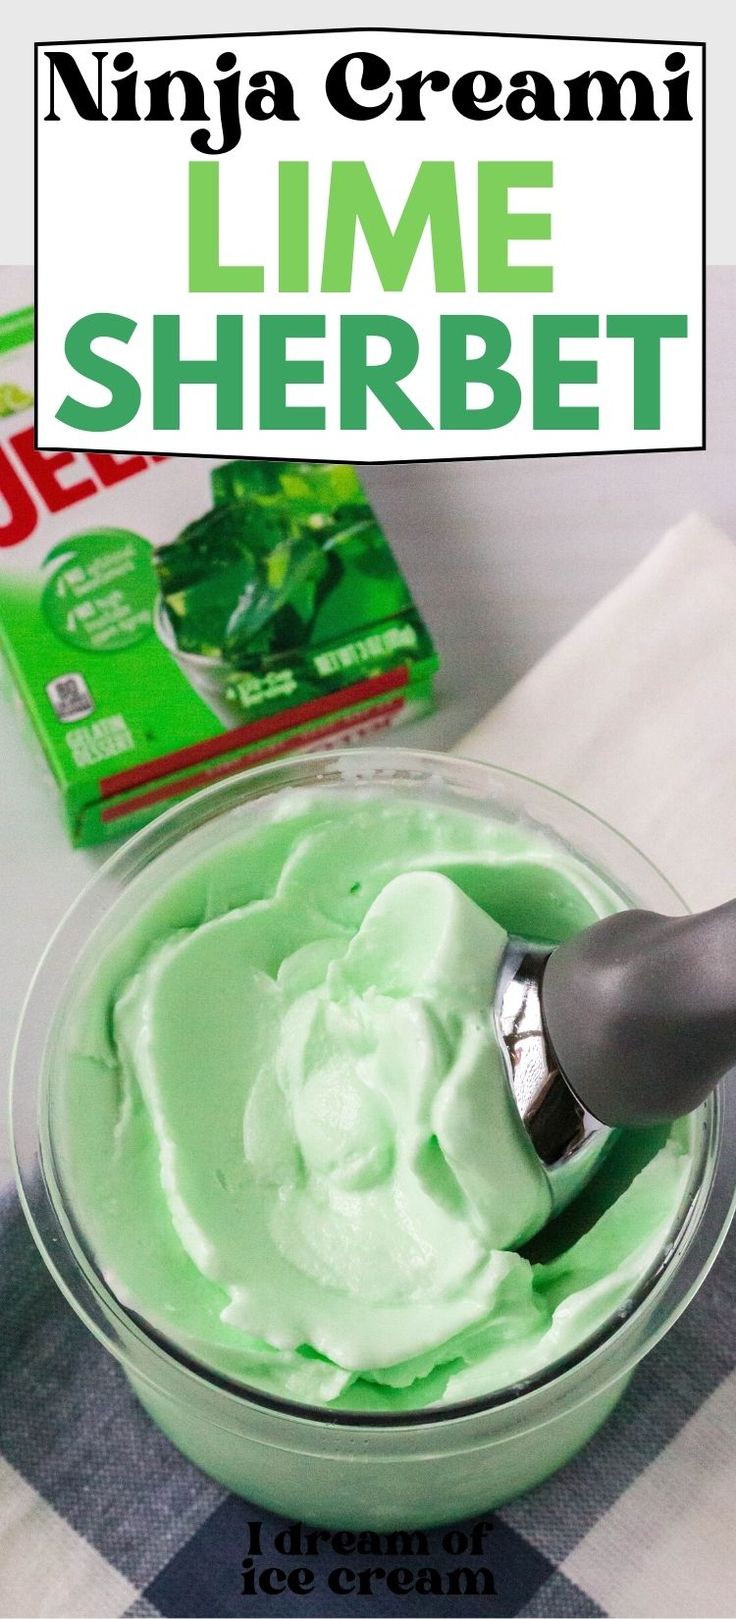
[[286, 1127]]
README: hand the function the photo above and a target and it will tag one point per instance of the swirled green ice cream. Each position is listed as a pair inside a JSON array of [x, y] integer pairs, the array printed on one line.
[[285, 1125]]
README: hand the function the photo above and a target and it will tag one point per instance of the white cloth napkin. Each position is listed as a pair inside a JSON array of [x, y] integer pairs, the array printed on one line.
[[634, 712]]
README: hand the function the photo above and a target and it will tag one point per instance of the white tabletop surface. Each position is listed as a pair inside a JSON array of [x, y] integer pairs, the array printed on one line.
[[503, 558]]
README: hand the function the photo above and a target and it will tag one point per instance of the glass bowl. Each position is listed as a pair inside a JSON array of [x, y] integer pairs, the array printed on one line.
[[341, 1469]]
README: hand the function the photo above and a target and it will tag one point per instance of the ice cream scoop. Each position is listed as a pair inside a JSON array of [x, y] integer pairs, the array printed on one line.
[[631, 1022]]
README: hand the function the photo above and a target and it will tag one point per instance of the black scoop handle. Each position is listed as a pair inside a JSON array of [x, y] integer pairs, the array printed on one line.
[[640, 1012]]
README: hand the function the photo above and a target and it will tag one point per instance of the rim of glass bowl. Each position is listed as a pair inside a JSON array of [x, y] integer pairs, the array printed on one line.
[[605, 1355]]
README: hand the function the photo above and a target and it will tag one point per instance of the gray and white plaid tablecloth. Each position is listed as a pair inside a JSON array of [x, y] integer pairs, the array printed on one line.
[[99, 1515]]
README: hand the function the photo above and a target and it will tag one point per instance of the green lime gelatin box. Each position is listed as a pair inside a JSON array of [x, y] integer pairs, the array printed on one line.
[[169, 622]]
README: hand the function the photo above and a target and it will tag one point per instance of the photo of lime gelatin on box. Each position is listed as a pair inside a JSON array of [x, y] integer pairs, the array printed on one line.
[[283, 1155], [285, 589]]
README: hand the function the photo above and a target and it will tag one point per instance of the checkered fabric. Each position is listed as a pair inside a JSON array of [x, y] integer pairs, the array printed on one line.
[[99, 1515]]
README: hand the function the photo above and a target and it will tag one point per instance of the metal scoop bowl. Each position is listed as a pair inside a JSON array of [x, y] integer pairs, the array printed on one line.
[[630, 1023]]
